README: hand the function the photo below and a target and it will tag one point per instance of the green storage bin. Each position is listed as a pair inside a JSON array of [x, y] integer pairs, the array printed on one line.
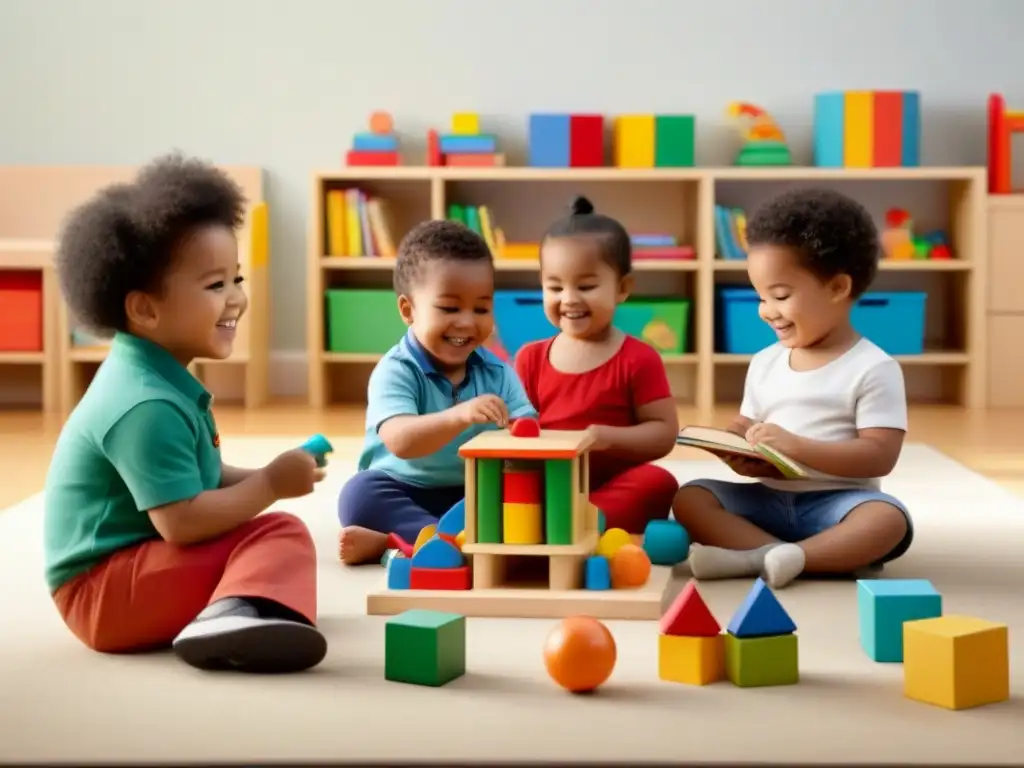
[[664, 323], [362, 320]]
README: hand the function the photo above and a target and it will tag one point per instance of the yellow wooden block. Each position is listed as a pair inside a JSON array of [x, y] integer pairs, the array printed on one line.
[[956, 662], [426, 534], [612, 541], [465, 123], [522, 523], [460, 540], [634, 141], [691, 660], [859, 129]]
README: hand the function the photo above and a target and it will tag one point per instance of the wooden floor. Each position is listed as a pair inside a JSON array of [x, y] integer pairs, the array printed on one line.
[[989, 442]]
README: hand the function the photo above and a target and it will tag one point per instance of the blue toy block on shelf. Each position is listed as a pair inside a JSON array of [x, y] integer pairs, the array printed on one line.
[[883, 605], [457, 144], [598, 573], [550, 141], [375, 142], [761, 615]]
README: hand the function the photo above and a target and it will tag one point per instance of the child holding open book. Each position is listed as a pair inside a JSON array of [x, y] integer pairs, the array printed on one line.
[[824, 402]]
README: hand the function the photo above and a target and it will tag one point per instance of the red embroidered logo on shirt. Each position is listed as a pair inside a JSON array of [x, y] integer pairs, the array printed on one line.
[[216, 441]]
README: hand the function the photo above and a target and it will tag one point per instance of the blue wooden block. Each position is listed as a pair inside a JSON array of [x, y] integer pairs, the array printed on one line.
[[388, 555], [598, 573], [911, 135], [375, 142], [481, 144], [437, 553], [399, 572], [882, 607], [550, 141], [829, 135], [453, 522], [666, 542], [761, 615]]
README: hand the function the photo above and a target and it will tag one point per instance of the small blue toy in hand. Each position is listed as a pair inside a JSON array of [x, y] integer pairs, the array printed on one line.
[[319, 446]]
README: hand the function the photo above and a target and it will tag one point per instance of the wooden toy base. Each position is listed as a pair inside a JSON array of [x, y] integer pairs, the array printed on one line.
[[643, 603]]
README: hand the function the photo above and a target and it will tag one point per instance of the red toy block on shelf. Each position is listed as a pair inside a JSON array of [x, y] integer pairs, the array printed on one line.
[[365, 158], [441, 578], [586, 141]]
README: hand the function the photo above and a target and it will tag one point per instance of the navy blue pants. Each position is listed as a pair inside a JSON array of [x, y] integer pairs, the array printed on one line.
[[375, 500]]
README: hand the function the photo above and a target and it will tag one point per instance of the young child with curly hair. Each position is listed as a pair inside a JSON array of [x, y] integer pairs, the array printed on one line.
[[592, 376], [823, 395], [150, 540], [433, 391]]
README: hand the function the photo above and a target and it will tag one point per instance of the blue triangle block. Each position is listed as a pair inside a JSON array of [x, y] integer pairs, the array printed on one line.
[[761, 615]]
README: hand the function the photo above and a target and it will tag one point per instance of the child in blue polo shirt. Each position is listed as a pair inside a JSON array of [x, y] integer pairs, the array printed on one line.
[[433, 391]]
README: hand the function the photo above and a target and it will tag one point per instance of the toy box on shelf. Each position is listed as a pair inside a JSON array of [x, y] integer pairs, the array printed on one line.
[[378, 146], [867, 129], [465, 146]]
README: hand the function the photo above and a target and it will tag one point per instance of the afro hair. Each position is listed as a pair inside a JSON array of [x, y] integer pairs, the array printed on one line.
[[123, 238], [436, 240], [830, 233]]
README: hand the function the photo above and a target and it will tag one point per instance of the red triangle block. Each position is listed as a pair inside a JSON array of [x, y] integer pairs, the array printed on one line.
[[689, 615]]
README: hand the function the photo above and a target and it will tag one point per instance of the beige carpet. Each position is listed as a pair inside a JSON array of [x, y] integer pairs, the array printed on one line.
[[59, 702]]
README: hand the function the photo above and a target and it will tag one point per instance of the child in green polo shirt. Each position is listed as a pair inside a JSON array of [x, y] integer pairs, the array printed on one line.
[[150, 540]]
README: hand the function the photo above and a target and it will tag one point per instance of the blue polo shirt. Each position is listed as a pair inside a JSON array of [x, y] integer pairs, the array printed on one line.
[[406, 383]]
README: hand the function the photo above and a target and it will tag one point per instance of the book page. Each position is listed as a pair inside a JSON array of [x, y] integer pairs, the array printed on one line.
[[717, 436]]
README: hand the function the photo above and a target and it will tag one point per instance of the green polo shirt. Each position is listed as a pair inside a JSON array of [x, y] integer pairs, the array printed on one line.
[[142, 437]]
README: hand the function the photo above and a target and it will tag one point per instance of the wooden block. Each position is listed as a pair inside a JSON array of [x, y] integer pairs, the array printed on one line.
[[375, 142], [399, 570], [829, 129], [480, 144], [586, 141], [858, 123], [522, 523], [634, 141], [550, 141], [471, 160], [558, 495], [911, 144], [691, 660], [612, 541], [689, 615], [597, 573], [426, 534], [356, 158], [488, 501], [761, 614], [382, 122], [466, 123], [425, 647], [752, 662], [438, 553], [434, 157], [888, 129], [525, 426], [441, 578], [674, 141], [956, 662], [453, 521], [523, 487], [883, 605]]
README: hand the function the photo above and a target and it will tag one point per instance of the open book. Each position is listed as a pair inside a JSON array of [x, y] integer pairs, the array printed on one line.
[[724, 443]]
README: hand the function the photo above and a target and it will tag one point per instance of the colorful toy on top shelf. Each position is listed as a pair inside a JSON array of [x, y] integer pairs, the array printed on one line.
[[464, 146], [566, 141], [899, 243], [761, 646], [377, 147], [1002, 125], [691, 647], [655, 141], [867, 129], [764, 143]]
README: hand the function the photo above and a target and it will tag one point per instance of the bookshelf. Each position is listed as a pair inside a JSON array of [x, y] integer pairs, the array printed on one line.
[[681, 202]]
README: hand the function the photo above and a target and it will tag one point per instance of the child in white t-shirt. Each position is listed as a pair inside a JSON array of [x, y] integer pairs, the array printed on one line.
[[829, 399]]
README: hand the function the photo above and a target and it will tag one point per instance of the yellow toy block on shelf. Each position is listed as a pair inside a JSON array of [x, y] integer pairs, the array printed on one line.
[[634, 141], [956, 662], [466, 123], [691, 660]]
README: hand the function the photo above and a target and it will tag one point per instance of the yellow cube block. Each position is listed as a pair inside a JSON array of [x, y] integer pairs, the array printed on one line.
[[691, 660], [465, 123], [634, 141], [956, 662]]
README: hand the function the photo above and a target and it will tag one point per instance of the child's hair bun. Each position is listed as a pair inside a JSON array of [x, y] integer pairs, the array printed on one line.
[[580, 206]]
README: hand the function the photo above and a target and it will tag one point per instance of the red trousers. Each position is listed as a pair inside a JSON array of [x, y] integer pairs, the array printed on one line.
[[141, 597], [633, 497]]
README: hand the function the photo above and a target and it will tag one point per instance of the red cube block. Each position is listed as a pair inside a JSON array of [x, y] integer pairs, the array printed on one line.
[[586, 141], [440, 578]]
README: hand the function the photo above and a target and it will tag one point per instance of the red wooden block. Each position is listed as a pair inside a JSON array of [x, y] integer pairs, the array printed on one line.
[[357, 158], [525, 427], [689, 615], [586, 141], [473, 160], [394, 541], [888, 129], [440, 578], [434, 148], [522, 487]]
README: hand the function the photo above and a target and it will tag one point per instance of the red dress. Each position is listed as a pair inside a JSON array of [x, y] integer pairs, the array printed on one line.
[[629, 494]]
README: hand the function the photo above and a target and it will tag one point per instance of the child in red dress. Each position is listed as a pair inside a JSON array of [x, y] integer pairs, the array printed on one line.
[[593, 376]]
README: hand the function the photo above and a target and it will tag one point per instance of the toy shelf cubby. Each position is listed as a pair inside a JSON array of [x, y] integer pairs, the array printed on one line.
[[678, 201]]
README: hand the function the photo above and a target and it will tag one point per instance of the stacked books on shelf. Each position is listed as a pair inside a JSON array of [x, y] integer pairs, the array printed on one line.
[[661, 247], [730, 233], [357, 225], [480, 219]]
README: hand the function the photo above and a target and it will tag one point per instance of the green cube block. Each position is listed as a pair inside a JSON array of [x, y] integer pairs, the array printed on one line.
[[425, 647], [488, 501], [362, 320], [558, 493], [884, 605], [752, 662], [674, 141]]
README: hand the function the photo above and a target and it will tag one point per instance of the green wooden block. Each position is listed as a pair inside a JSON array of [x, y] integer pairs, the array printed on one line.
[[425, 647], [751, 662], [558, 491], [674, 141], [488, 501]]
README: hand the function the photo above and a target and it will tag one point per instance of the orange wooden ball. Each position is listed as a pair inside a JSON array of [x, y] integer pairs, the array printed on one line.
[[630, 567], [580, 654]]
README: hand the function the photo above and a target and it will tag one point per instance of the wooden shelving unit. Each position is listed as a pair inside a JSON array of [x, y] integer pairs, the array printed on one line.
[[681, 202]]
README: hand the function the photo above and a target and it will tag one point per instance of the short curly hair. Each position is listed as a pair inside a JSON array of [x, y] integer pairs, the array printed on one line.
[[831, 234], [123, 238], [436, 240]]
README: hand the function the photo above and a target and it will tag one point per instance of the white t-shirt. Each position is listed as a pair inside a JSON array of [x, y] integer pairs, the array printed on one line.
[[862, 389]]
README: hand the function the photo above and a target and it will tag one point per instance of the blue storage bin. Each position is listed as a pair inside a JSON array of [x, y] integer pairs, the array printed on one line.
[[894, 320], [518, 320]]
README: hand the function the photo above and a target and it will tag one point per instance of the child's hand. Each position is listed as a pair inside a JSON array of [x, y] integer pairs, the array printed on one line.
[[482, 410], [600, 440], [292, 474], [773, 436]]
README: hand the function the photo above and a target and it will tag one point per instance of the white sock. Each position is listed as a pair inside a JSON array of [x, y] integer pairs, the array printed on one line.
[[718, 563], [783, 564]]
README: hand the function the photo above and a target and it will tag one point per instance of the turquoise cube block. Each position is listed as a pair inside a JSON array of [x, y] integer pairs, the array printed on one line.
[[883, 605]]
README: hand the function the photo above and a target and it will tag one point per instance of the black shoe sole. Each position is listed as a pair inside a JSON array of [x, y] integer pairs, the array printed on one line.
[[271, 648]]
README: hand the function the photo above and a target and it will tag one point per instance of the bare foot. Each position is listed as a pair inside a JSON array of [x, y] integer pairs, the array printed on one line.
[[361, 545]]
